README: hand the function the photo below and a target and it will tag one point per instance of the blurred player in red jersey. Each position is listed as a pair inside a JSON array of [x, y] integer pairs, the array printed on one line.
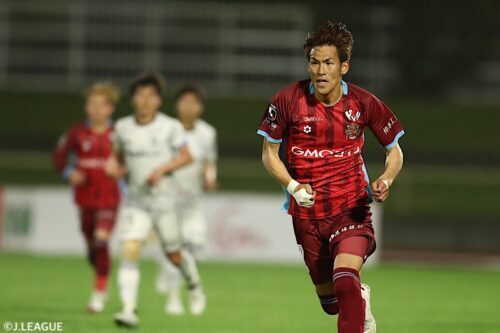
[[319, 125], [80, 157]]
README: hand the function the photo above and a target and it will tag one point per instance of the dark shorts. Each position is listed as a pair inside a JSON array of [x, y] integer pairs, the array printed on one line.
[[93, 219], [318, 239]]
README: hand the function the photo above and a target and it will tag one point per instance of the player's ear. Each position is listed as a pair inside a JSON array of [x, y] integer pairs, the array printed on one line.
[[344, 67]]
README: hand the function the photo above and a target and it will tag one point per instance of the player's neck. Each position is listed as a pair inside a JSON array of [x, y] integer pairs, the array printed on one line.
[[188, 124], [144, 119], [332, 98], [99, 127]]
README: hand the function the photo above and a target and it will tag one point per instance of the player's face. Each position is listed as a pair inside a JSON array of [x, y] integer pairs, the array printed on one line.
[[98, 109], [189, 107], [325, 69], [146, 101]]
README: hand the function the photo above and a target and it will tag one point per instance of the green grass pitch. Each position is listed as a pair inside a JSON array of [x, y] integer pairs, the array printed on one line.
[[253, 298]]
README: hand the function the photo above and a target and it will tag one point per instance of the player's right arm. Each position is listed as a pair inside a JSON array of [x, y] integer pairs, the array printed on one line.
[[272, 127], [63, 158], [303, 193], [115, 167]]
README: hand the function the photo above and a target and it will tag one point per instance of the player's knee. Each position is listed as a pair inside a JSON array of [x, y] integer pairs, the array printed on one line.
[[175, 257], [131, 250], [330, 309], [101, 235], [346, 285]]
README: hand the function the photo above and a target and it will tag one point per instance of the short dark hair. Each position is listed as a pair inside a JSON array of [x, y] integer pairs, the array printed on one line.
[[329, 33], [191, 89], [156, 80]]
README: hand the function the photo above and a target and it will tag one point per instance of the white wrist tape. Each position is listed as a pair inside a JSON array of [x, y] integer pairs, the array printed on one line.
[[303, 198], [292, 185]]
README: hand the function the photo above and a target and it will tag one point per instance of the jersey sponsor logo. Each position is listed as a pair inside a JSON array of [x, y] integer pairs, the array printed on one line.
[[272, 112], [312, 119], [325, 153], [389, 125], [351, 116], [352, 131], [307, 129], [92, 163]]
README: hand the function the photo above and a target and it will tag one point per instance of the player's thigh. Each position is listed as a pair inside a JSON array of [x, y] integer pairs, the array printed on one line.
[[314, 249], [134, 224], [167, 227], [105, 222], [351, 252], [193, 225], [87, 222]]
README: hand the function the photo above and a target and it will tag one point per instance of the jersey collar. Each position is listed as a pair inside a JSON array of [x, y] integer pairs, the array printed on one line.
[[345, 89]]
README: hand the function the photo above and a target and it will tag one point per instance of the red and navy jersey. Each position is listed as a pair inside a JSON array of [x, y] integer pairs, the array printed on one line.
[[83, 149], [322, 145]]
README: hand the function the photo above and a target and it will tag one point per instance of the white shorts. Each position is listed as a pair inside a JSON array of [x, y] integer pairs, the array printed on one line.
[[136, 224], [192, 221]]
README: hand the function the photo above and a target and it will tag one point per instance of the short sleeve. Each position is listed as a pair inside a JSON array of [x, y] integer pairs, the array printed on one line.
[[275, 120], [178, 135], [383, 122]]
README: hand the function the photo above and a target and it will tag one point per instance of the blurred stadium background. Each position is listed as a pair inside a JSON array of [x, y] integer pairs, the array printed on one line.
[[435, 63]]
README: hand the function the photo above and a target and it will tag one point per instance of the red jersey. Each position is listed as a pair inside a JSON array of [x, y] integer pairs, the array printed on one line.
[[83, 149], [322, 145]]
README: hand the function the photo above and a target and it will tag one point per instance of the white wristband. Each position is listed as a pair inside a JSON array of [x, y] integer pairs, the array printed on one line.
[[292, 185]]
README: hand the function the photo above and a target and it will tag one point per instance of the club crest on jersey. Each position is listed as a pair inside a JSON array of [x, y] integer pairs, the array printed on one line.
[[352, 117], [307, 129], [86, 145], [272, 112], [352, 131]]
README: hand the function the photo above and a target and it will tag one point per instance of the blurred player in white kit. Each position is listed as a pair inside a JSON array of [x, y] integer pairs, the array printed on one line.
[[149, 146], [191, 181]]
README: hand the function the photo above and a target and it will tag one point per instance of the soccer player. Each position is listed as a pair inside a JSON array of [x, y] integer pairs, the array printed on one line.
[[149, 146], [80, 157], [318, 124], [190, 183]]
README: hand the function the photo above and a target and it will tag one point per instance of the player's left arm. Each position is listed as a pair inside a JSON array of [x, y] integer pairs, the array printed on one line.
[[388, 130], [183, 158], [393, 165]]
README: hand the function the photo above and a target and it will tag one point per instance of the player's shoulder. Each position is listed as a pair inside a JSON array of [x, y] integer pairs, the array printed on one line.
[[205, 127], [167, 121], [356, 92], [293, 90], [77, 128], [124, 123]]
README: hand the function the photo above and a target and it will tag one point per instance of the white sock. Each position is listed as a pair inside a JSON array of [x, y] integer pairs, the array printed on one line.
[[128, 282], [189, 269]]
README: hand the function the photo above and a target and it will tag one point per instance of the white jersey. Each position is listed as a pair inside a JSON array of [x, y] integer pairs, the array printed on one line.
[[145, 148], [202, 143]]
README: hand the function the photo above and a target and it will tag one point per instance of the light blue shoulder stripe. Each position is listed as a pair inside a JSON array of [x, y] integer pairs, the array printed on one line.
[[344, 88], [268, 137], [396, 139]]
